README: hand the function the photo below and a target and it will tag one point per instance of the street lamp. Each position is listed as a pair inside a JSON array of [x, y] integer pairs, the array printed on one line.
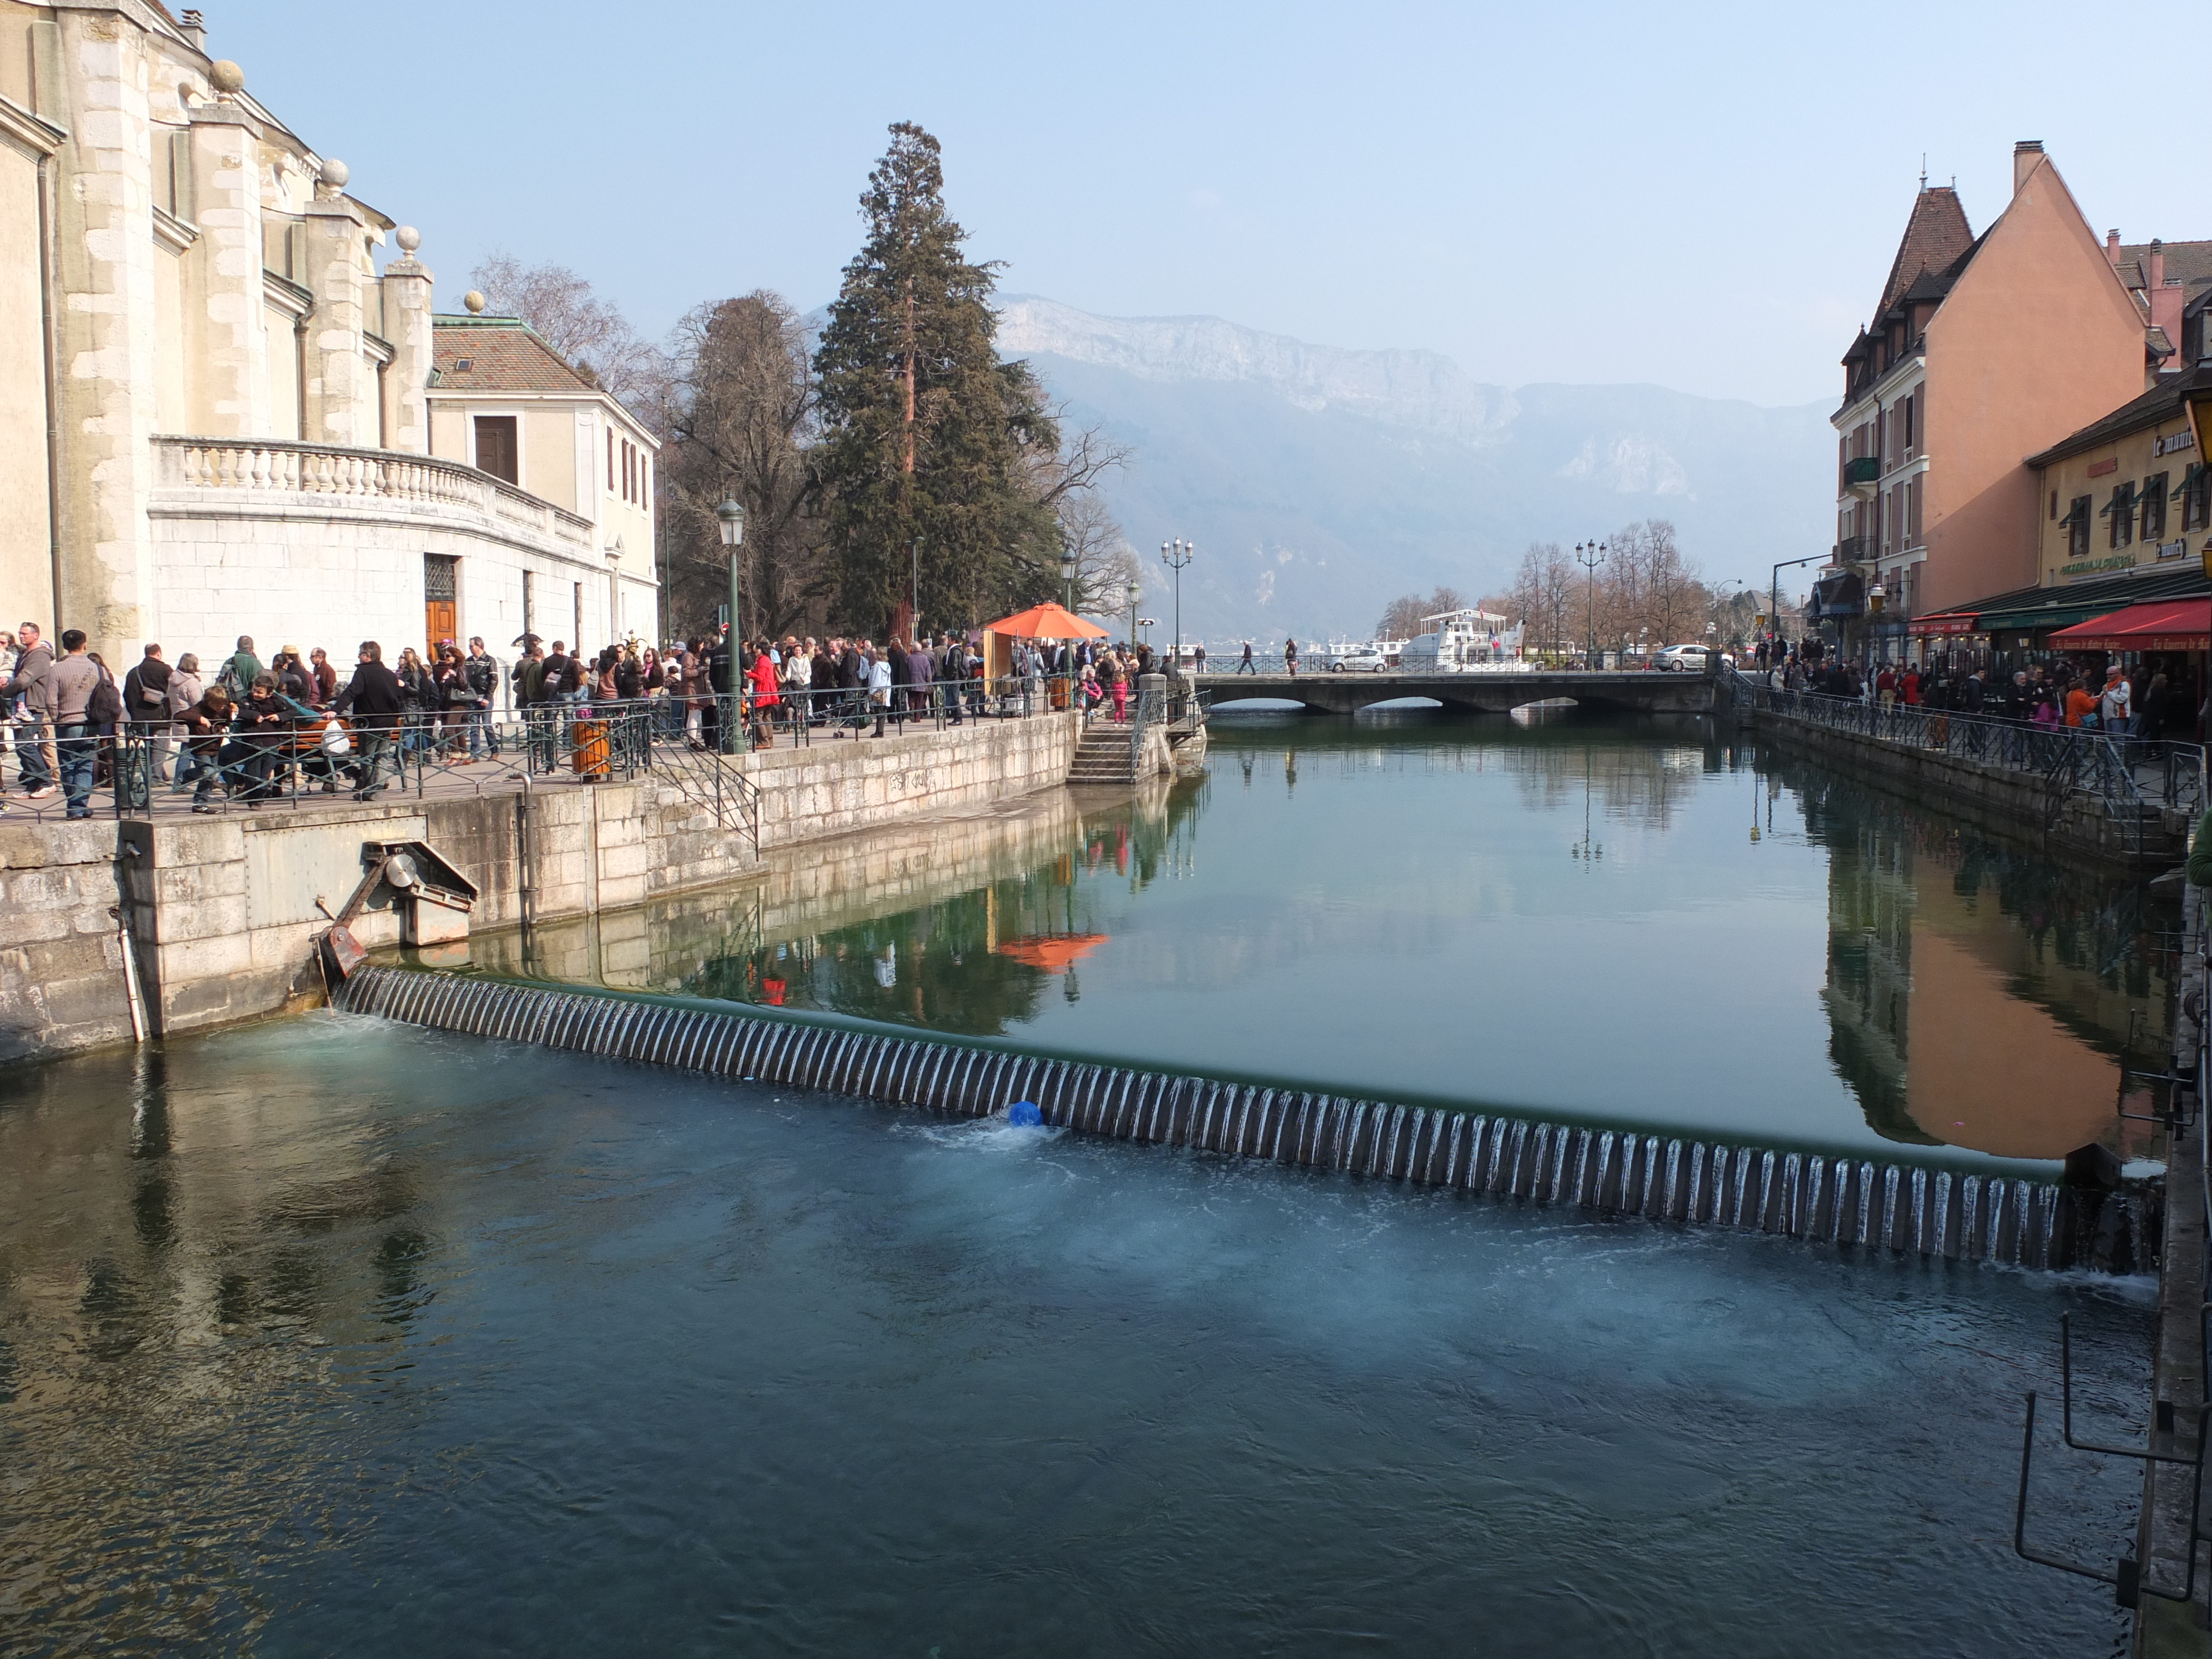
[[1135, 593], [732, 514], [1175, 556], [1068, 573], [914, 579], [1590, 555]]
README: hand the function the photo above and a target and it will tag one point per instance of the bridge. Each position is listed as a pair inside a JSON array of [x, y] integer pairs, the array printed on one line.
[[1648, 691]]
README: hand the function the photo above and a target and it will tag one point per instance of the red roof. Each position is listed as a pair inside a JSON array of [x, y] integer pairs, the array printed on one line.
[[2166, 625]]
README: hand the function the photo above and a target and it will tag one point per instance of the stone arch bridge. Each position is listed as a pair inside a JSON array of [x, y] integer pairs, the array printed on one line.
[[1647, 691]]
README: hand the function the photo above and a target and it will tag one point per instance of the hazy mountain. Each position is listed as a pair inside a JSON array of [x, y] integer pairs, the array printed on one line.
[[1319, 483]]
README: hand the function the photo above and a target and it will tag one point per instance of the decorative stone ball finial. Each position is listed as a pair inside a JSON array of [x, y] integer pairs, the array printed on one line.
[[336, 173], [409, 238], [226, 77], [474, 302]]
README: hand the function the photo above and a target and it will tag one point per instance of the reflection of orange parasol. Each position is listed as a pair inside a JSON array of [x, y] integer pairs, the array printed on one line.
[[1053, 952], [1046, 621]]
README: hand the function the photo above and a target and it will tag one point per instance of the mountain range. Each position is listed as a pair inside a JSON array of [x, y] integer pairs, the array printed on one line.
[[1318, 483]]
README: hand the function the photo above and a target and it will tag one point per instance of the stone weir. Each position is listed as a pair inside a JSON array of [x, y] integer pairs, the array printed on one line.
[[1830, 1199]]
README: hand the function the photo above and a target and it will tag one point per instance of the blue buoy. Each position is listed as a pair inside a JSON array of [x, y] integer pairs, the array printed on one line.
[[1025, 1115]]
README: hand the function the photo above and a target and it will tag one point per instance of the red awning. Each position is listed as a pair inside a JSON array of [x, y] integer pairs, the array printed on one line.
[[2169, 625], [1943, 621]]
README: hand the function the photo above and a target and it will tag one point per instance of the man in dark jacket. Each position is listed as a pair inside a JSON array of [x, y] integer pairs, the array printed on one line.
[[146, 726], [481, 670], [721, 703], [374, 700]]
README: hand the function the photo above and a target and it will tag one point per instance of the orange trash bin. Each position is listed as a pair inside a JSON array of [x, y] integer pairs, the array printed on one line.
[[590, 756]]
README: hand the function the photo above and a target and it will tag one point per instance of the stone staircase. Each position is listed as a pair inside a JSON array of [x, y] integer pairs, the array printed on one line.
[[1103, 756]]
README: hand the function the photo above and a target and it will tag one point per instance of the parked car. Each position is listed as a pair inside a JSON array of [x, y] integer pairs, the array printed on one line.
[[1365, 660], [1682, 658]]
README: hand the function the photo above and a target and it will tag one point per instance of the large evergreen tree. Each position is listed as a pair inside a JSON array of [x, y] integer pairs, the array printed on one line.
[[926, 433]]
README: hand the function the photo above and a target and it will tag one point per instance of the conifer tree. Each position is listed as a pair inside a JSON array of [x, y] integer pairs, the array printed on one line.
[[925, 433]]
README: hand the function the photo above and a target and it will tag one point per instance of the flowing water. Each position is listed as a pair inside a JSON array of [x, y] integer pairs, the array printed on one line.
[[335, 1336], [339, 1337]]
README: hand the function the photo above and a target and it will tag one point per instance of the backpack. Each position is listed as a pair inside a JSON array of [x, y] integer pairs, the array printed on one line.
[[104, 706]]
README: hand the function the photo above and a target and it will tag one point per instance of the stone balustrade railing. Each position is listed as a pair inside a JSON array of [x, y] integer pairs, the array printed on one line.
[[272, 466]]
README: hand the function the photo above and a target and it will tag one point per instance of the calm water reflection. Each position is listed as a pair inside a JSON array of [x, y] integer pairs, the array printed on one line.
[[1626, 922]]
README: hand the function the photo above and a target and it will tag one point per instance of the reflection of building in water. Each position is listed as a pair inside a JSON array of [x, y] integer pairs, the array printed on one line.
[[1976, 996]]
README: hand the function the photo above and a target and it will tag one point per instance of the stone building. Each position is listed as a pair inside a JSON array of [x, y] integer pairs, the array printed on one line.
[[218, 407], [1982, 350]]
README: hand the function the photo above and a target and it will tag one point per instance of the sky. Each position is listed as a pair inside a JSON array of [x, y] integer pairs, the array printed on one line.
[[1704, 198]]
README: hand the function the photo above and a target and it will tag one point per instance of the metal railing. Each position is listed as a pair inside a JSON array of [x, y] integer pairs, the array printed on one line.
[[2128, 775], [76, 770]]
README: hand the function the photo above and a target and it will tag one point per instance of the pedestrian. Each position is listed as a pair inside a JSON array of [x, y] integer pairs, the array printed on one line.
[[325, 676], [28, 695], [1884, 687], [1115, 673], [2081, 709], [481, 669], [70, 685], [146, 717], [239, 670], [206, 721], [373, 696], [1244, 666], [1198, 658], [184, 691], [1290, 656], [2115, 704]]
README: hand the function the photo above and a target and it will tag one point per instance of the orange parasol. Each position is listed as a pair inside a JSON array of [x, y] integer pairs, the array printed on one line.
[[1046, 621]]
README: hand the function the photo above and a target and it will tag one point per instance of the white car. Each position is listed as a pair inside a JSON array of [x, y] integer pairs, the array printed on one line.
[[1367, 660], [1682, 658]]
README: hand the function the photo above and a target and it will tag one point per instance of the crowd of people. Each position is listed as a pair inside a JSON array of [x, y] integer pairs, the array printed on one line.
[[249, 730], [2145, 704]]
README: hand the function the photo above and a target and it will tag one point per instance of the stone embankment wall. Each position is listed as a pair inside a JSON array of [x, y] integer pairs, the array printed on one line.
[[225, 911], [2006, 802]]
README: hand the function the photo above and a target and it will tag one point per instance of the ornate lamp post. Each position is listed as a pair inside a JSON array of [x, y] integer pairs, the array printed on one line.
[[1135, 593], [1177, 555], [1589, 555], [1068, 573], [732, 515]]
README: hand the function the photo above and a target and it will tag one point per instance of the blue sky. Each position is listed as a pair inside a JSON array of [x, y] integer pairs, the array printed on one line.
[[1704, 197]]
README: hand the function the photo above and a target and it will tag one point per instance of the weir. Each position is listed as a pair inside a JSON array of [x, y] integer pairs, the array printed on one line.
[[1903, 1208]]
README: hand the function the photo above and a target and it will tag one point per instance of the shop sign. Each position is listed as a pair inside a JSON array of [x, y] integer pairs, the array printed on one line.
[[2174, 443], [2099, 469], [2101, 567], [2173, 549]]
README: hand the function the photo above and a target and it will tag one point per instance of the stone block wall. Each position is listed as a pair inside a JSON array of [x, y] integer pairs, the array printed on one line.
[[225, 911]]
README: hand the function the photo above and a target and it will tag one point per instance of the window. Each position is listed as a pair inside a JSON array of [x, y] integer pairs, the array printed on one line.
[[611, 460], [2054, 507], [496, 449], [2076, 522], [2196, 493], [2153, 508], [1909, 402], [2121, 511]]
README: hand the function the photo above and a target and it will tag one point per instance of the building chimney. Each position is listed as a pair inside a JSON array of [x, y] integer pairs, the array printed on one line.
[[2112, 247], [2155, 267], [2025, 154], [195, 29]]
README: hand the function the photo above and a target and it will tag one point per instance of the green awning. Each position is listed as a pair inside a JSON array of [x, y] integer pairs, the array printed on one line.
[[2188, 479], [2041, 618]]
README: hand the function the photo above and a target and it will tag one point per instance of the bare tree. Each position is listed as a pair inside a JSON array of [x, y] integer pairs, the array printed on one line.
[[560, 308], [1408, 618], [738, 412]]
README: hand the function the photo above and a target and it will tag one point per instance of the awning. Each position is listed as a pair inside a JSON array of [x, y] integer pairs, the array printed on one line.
[[2043, 617], [1838, 596], [1943, 621], [2171, 625]]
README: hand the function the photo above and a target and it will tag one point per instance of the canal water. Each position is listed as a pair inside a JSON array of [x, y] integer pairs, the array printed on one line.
[[332, 1337], [1627, 923]]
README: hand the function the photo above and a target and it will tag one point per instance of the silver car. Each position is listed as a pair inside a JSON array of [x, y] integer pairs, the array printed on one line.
[[1367, 661]]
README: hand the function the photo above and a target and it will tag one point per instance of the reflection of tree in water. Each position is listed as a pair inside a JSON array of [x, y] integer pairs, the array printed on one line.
[[2075, 931], [970, 961]]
